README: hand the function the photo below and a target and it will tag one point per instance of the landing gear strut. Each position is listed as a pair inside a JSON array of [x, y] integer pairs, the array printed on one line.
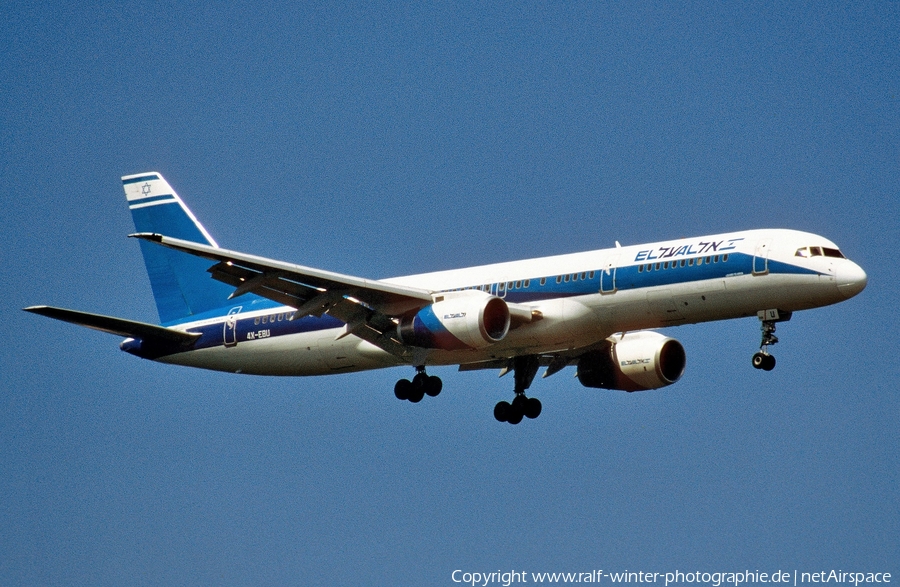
[[524, 370], [763, 360], [420, 386]]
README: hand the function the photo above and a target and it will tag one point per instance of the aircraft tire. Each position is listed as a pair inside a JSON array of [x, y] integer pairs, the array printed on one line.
[[515, 416], [759, 359], [416, 394], [433, 386], [501, 411], [517, 409], [532, 408], [402, 389], [769, 363]]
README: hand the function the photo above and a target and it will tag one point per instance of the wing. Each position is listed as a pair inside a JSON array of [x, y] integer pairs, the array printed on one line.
[[368, 307]]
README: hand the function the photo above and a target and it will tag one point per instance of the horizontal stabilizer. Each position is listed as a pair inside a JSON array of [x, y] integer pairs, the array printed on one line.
[[120, 326]]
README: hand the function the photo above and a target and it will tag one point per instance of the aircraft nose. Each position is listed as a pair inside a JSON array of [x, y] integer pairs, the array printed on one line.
[[851, 279]]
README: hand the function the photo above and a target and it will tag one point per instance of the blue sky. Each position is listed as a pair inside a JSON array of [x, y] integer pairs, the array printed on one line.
[[380, 140]]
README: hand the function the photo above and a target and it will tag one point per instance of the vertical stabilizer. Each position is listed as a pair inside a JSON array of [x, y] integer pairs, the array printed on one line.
[[181, 284]]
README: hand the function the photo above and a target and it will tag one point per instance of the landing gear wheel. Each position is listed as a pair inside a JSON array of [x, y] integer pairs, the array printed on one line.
[[763, 361], [532, 408], [758, 360], [516, 413], [416, 393], [501, 411], [433, 386], [402, 389], [420, 385]]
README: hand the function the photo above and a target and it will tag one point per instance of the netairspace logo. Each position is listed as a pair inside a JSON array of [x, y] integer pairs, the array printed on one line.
[[715, 579]]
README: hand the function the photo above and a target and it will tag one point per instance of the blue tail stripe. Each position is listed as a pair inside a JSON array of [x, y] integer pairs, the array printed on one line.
[[168, 198], [141, 178]]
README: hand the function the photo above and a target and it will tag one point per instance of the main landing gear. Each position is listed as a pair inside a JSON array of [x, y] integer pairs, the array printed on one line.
[[524, 370], [763, 360], [420, 386]]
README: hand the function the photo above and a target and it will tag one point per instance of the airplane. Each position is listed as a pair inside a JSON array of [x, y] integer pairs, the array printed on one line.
[[597, 311]]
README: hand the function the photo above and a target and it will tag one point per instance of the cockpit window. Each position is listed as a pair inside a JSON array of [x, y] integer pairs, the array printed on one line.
[[818, 252]]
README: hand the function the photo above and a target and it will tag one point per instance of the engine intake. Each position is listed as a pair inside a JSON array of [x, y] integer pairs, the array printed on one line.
[[634, 362], [471, 321]]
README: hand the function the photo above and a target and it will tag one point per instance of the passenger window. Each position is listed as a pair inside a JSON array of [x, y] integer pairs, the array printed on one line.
[[699, 260], [527, 283], [567, 278], [265, 319], [724, 257], [666, 265], [707, 261], [691, 263], [716, 259], [501, 287], [256, 321], [657, 267], [583, 276], [543, 281], [681, 263], [640, 268]]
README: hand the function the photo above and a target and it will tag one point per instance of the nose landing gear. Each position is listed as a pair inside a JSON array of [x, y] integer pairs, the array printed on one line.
[[763, 360]]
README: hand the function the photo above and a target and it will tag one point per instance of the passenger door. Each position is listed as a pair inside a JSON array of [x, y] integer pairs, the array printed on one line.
[[229, 331], [608, 276], [761, 258]]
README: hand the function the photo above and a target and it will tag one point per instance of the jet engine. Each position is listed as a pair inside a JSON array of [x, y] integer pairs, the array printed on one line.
[[633, 362], [469, 321]]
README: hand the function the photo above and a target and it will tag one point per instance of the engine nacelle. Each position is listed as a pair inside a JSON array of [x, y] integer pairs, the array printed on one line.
[[475, 320], [634, 362]]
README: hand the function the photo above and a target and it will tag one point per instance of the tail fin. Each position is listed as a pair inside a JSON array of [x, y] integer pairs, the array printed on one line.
[[181, 284]]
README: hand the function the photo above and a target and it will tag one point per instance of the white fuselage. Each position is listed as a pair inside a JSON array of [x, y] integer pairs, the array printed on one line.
[[582, 298]]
